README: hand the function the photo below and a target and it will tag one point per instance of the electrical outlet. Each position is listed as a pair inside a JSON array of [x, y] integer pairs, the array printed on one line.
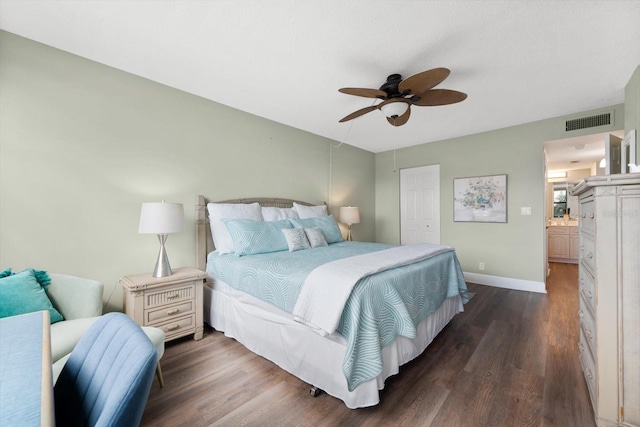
[[481, 266], [526, 210]]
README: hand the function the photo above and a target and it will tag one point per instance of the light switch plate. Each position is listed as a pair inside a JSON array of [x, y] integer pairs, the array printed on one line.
[[526, 210]]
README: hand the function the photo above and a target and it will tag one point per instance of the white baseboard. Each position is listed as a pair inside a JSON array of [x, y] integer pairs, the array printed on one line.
[[505, 282]]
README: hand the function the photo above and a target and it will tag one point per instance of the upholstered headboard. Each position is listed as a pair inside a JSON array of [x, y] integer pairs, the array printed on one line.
[[204, 241]]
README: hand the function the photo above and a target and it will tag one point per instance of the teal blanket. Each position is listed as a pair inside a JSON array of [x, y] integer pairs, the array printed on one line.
[[381, 307]]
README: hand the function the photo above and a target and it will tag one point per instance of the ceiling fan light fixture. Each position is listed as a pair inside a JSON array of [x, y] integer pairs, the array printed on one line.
[[394, 109]]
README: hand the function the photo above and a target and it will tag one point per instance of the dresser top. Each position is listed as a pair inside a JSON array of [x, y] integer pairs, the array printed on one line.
[[606, 180]]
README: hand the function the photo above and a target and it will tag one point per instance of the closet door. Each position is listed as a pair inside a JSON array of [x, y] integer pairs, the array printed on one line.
[[420, 205]]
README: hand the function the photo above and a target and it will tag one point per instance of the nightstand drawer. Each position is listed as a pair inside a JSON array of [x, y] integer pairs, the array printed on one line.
[[172, 303], [178, 327], [170, 295], [164, 313]]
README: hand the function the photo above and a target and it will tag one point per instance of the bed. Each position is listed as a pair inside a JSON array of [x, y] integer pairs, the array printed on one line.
[[245, 300]]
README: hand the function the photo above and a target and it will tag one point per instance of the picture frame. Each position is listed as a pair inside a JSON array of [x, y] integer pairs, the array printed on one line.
[[480, 199]]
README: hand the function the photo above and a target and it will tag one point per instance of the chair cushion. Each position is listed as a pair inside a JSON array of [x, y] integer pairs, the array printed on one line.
[[65, 335]]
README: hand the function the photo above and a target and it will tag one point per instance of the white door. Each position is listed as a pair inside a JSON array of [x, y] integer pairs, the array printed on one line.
[[420, 205]]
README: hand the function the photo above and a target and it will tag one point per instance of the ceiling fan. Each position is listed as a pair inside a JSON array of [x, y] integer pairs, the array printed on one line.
[[399, 95]]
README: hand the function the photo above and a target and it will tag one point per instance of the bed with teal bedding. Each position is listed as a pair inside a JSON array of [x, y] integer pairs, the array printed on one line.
[[388, 319], [381, 307]]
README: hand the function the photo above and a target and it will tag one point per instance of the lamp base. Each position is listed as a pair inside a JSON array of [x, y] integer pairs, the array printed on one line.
[[349, 232], [162, 269]]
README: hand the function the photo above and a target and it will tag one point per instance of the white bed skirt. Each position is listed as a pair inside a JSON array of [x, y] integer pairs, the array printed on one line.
[[317, 360]]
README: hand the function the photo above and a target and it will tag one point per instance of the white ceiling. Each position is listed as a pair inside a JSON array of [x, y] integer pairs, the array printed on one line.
[[576, 153], [519, 61]]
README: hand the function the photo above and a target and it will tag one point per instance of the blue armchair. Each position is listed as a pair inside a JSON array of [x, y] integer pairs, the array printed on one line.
[[107, 378]]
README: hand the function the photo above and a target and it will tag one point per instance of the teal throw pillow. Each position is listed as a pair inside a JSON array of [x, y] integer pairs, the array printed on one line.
[[257, 237], [41, 276], [21, 293], [326, 224]]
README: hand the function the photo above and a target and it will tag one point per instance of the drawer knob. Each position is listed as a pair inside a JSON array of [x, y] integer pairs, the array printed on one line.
[[580, 346], [172, 327], [591, 215], [581, 314], [173, 311], [589, 374], [589, 294], [584, 215], [173, 296], [589, 334], [589, 255]]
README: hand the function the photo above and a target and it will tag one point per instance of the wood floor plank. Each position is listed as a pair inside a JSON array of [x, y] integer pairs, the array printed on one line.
[[510, 359]]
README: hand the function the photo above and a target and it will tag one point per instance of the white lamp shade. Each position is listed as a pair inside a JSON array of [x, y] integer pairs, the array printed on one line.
[[394, 108], [349, 215], [161, 218]]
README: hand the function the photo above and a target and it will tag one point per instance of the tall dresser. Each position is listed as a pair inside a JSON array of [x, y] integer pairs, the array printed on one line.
[[609, 276]]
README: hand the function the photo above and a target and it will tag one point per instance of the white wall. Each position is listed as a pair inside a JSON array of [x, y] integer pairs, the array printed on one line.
[[82, 146]]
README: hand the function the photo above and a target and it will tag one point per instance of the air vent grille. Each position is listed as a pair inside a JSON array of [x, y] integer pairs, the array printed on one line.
[[588, 122]]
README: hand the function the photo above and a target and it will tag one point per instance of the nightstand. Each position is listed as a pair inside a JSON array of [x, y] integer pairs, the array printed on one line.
[[172, 303]]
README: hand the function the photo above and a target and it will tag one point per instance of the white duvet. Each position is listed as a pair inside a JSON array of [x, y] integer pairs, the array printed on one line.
[[326, 289]]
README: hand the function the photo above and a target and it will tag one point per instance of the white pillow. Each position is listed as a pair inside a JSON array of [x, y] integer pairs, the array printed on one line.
[[296, 239], [277, 214], [310, 211], [217, 211]]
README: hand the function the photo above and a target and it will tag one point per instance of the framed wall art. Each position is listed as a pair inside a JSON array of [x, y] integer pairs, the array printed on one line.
[[480, 199]]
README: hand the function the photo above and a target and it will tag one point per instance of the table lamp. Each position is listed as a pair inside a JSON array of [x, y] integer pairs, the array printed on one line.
[[349, 215], [161, 218]]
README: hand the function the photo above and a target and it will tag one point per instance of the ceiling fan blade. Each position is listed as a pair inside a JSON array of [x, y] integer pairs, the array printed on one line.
[[399, 121], [367, 93], [434, 97], [422, 82], [358, 113]]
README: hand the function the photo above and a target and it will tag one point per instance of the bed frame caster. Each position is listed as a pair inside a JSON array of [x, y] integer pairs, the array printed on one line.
[[315, 391]]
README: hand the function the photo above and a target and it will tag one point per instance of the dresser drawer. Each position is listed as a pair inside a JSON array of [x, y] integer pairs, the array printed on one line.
[[168, 312], [588, 217], [587, 252], [170, 295], [587, 287], [588, 327], [589, 369], [178, 327]]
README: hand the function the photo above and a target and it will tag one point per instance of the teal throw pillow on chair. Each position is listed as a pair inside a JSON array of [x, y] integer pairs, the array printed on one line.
[[21, 293]]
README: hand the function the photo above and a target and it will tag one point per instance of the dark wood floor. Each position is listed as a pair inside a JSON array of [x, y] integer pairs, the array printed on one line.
[[509, 360]]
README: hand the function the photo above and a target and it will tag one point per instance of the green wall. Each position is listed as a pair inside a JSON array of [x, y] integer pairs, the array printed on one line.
[[83, 145], [511, 250]]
